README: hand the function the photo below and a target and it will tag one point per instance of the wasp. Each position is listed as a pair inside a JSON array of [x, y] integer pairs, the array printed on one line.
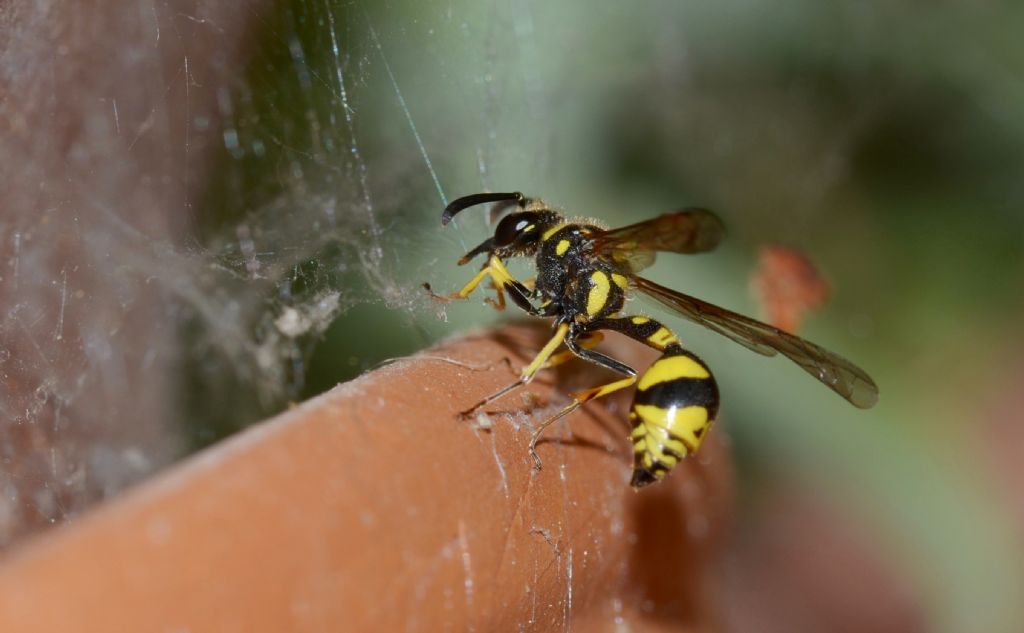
[[585, 273]]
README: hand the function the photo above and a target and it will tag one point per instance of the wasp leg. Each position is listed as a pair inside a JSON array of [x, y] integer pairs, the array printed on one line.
[[498, 303], [520, 292], [589, 340], [519, 295], [470, 286], [585, 352], [529, 371], [502, 280], [581, 397]]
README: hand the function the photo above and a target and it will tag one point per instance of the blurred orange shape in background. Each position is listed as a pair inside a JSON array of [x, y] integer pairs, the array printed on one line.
[[788, 286]]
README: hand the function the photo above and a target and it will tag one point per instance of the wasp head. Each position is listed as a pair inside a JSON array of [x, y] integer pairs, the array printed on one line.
[[517, 234]]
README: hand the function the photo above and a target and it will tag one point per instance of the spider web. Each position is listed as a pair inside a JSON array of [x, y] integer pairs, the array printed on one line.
[[229, 207]]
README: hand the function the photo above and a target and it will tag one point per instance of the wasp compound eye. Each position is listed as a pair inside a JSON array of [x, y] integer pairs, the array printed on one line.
[[513, 226]]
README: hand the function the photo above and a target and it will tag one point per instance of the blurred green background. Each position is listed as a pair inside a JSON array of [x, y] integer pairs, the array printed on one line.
[[884, 139]]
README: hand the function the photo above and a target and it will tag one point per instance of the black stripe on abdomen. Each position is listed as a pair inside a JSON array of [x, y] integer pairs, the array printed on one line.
[[681, 392]]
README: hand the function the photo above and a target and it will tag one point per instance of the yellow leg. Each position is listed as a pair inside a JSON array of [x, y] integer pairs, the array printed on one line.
[[587, 341], [579, 398], [495, 269], [499, 273], [529, 371], [498, 303], [473, 283]]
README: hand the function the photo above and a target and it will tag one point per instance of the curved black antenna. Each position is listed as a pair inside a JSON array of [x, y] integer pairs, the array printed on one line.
[[478, 198]]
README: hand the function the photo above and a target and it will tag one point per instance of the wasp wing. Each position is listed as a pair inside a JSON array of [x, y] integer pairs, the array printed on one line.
[[834, 371], [634, 247]]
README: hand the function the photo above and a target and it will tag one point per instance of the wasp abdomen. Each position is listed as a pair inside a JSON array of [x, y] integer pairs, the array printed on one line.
[[675, 404]]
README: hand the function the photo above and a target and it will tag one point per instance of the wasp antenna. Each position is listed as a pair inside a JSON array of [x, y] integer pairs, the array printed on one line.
[[479, 198]]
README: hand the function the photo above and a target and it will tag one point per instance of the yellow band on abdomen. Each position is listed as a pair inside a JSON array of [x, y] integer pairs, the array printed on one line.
[[671, 368]]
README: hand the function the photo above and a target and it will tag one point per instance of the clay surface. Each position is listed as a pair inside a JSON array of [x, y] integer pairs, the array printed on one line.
[[375, 508]]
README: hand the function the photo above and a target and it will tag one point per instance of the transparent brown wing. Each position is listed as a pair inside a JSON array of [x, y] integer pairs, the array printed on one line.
[[837, 373], [633, 247]]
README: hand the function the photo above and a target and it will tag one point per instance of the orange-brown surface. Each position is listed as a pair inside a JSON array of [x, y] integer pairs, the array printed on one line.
[[373, 507]]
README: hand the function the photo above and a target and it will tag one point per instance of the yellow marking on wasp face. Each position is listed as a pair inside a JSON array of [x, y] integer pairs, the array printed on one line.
[[671, 368], [563, 245], [529, 228], [639, 320], [662, 338], [679, 428], [555, 229], [620, 280], [599, 289]]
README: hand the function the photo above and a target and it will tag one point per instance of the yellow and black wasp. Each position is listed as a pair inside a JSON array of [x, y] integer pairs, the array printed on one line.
[[584, 274]]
